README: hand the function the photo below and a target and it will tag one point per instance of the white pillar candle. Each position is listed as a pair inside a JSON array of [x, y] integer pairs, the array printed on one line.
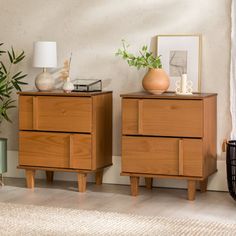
[[183, 83]]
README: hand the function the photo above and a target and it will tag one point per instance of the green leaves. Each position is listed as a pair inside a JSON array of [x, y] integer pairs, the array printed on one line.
[[14, 59], [145, 60], [9, 82], [4, 107]]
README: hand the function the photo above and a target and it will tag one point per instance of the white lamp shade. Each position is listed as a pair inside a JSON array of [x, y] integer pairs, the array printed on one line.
[[45, 54]]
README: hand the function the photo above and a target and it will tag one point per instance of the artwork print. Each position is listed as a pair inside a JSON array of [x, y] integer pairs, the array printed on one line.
[[181, 54]]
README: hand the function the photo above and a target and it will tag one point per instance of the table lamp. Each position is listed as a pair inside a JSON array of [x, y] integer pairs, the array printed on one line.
[[45, 56]]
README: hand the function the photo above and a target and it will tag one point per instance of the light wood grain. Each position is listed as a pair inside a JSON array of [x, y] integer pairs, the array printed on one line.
[[181, 118], [178, 177], [44, 149], [191, 190], [80, 151], [68, 114], [98, 177], [151, 155], [82, 180], [134, 181], [167, 95], [140, 116], [169, 136], [181, 157], [26, 112], [130, 111], [210, 135], [102, 131], [203, 185], [59, 169], [193, 157], [65, 132], [30, 174], [61, 93], [35, 113]]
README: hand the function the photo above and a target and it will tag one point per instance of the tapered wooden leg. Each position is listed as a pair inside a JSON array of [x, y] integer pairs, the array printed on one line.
[[134, 181], [82, 179], [49, 175], [203, 185], [30, 178], [191, 190], [98, 177], [149, 182]]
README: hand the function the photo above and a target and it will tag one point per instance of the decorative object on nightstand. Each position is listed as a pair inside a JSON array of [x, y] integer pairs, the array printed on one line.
[[169, 136], [181, 54], [68, 86], [156, 81], [184, 86], [69, 132], [87, 85], [45, 56]]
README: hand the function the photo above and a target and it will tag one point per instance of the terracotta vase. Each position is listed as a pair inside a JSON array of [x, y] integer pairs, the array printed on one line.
[[156, 81]]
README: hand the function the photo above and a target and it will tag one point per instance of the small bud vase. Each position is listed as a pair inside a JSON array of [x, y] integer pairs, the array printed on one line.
[[68, 86]]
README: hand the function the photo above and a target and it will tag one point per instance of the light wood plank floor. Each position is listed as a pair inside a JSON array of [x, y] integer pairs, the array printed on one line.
[[116, 198]]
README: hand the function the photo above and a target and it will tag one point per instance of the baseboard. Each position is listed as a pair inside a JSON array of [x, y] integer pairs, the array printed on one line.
[[217, 181]]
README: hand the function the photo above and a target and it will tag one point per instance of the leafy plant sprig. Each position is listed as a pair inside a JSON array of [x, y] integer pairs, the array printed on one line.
[[9, 81], [145, 60]]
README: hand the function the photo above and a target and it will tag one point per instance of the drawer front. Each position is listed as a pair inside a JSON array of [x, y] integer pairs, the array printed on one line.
[[59, 150], [165, 156], [193, 157], [26, 112], [162, 117], [80, 151], [48, 113], [44, 149], [150, 155], [130, 116]]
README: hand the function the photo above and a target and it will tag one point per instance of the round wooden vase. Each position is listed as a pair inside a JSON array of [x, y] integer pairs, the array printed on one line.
[[156, 81]]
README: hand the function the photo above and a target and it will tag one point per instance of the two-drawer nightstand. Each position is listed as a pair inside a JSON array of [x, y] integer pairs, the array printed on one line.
[[169, 136], [65, 132]]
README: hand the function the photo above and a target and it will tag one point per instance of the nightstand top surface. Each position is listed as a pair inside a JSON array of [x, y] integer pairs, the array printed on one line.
[[167, 95], [62, 93]]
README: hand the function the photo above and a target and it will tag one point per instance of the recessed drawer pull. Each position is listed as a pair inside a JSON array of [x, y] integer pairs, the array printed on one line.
[[35, 113], [181, 157], [71, 150], [140, 118]]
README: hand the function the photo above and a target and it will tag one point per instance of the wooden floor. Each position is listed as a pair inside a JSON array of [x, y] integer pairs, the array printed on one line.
[[116, 198]]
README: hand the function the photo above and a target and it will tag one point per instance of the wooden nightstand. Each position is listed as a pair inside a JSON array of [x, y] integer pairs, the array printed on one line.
[[169, 136], [65, 132]]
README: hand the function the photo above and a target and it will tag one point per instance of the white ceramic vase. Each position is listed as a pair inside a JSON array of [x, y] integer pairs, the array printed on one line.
[[68, 86]]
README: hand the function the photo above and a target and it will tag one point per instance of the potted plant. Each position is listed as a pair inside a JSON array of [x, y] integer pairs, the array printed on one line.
[[156, 80], [10, 81]]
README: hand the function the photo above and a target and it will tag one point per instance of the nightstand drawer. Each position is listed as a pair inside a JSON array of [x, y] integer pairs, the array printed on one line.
[[164, 156], [48, 113], [150, 155], [61, 150], [162, 117]]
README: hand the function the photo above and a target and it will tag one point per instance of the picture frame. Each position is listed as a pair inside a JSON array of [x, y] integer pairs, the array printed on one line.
[[181, 54]]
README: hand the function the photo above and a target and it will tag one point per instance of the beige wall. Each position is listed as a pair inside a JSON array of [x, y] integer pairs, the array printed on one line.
[[92, 30]]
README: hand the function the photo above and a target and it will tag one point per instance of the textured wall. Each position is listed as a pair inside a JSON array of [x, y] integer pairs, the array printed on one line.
[[92, 30]]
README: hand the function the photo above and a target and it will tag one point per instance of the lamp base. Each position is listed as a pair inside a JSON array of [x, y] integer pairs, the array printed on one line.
[[44, 81]]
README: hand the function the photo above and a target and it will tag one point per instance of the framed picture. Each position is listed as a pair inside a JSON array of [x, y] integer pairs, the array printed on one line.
[[181, 54]]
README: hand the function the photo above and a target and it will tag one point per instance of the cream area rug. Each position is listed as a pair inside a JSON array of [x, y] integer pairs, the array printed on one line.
[[37, 220]]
